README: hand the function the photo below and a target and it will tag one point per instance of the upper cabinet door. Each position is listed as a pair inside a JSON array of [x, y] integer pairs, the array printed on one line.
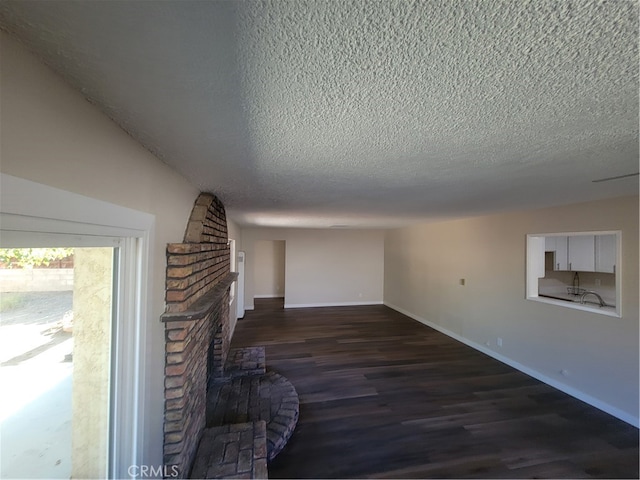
[[606, 253], [562, 260], [582, 255], [557, 245]]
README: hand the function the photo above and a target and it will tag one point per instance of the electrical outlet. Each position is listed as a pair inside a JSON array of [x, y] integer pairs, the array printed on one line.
[[499, 341], [462, 281]]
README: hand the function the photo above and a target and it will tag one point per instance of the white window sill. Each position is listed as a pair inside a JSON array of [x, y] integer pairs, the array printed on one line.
[[608, 311]]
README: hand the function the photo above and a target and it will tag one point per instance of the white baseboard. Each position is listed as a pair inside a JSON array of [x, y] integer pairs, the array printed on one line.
[[329, 304], [269, 296], [580, 395]]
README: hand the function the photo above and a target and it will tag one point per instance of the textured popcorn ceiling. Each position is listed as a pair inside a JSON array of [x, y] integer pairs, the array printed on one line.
[[361, 113]]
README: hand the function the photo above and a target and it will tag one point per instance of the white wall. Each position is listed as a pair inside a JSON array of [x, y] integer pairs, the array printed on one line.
[[424, 264], [269, 268], [323, 267], [53, 136]]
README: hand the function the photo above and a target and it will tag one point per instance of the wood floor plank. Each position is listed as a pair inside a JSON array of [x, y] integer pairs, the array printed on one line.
[[383, 396]]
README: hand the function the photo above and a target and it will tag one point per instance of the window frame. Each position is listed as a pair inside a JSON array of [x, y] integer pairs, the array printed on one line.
[[32, 215]]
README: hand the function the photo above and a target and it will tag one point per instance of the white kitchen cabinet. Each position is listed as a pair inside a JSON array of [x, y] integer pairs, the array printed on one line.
[[582, 253], [606, 253], [557, 245]]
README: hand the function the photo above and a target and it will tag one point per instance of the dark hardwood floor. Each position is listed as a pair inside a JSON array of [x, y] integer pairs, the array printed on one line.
[[383, 396]]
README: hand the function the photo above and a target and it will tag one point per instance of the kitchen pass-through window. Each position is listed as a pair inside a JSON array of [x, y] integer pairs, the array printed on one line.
[[579, 270]]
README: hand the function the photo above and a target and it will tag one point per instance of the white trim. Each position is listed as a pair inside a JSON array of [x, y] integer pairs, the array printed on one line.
[[34, 214], [240, 308], [580, 395], [329, 304], [269, 296], [575, 306], [74, 213], [571, 234], [29, 239], [129, 367]]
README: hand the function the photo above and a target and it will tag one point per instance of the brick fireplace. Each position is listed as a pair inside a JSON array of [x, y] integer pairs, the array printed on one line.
[[197, 330]]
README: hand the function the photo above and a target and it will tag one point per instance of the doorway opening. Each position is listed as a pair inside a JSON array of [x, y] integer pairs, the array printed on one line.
[[269, 273]]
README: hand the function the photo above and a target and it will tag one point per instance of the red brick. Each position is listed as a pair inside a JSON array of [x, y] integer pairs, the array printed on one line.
[[177, 248], [178, 325], [206, 199], [173, 415], [173, 358], [176, 295], [171, 448], [174, 382], [175, 308], [176, 335], [176, 369], [172, 438], [178, 284], [179, 272], [174, 403], [170, 427], [172, 393], [175, 347]]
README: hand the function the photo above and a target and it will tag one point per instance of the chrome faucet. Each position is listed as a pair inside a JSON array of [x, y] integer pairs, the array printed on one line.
[[589, 292]]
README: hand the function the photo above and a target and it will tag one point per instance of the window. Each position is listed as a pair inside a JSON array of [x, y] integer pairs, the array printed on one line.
[[579, 270], [56, 334], [34, 215]]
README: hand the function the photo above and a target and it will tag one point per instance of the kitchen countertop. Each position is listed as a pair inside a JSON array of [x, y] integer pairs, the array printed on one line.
[[589, 301]]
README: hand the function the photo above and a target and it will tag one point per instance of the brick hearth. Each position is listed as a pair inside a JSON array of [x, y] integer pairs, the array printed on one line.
[[247, 401], [232, 451], [249, 393]]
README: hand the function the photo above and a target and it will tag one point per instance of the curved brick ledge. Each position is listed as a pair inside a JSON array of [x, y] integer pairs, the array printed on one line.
[[269, 397], [285, 409]]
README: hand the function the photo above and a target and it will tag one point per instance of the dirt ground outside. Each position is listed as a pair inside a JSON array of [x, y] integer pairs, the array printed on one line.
[[36, 367]]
